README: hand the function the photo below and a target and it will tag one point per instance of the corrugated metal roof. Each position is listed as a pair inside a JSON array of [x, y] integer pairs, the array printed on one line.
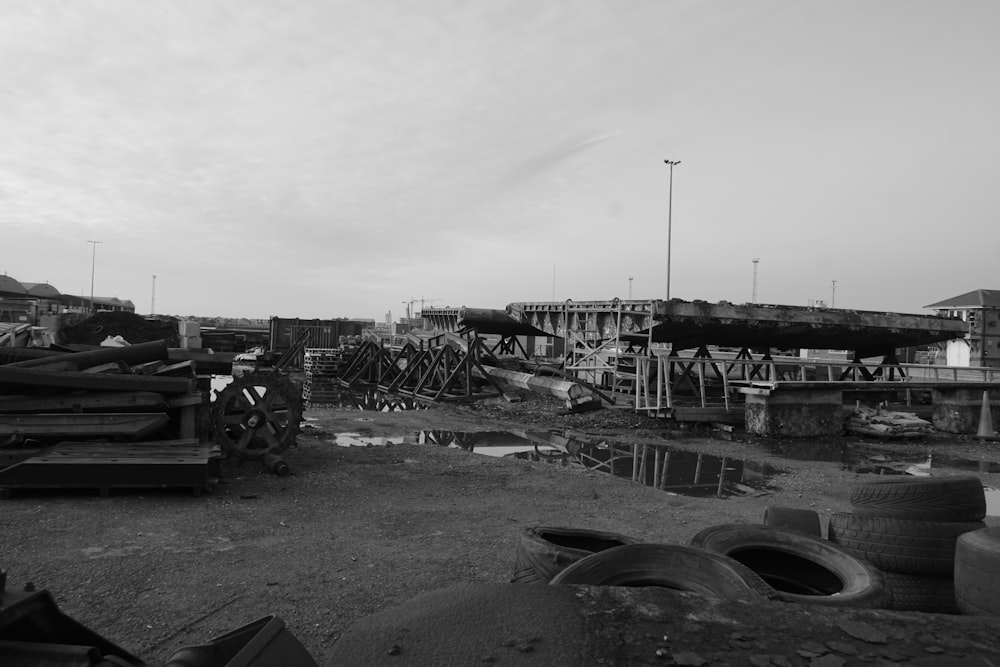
[[11, 287], [42, 290], [974, 299]]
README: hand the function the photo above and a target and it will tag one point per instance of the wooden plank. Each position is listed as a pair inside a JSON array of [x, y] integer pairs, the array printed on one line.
[[146, 448], [92, 401], [184, 401], [189, 421], [58, 366], [130, 354], [82, 425], [34, 377], [9, 355], [180, 369]]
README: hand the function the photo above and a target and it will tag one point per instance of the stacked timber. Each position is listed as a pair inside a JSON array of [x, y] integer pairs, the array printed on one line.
[[322, 372], [102, 418]]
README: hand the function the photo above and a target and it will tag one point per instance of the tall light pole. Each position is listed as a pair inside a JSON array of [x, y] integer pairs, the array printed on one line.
[[630, 288], [755, 260], [152, 303], [93, 265], [833, 294], [670, 215]]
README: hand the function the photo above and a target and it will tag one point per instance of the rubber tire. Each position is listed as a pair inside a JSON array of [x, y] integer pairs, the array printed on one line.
[[545, 551], [914, 592], [901, 545], [959, 498], [977, 572], [792, 518], [801, 568], [673, 566]]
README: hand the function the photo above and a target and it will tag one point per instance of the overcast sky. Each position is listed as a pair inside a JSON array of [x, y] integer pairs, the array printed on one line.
[[334, 159]]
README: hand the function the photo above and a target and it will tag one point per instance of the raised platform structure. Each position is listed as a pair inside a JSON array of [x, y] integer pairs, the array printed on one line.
[[688, 360]]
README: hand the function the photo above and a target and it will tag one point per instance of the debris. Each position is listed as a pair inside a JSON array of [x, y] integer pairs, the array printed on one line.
[[109, 416], [881, 423]]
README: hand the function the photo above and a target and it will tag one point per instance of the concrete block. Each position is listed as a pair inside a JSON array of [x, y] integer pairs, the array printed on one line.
[[957, 410], [799, 413], [188, 328], [191, 342]]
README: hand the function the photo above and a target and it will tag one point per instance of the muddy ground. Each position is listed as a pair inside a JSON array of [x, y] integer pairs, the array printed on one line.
[[357, 530]]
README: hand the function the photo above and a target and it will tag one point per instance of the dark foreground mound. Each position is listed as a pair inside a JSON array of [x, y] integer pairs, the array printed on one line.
[[133, 328]]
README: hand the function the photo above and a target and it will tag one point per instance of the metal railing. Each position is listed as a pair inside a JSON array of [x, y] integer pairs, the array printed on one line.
[[656, 378]]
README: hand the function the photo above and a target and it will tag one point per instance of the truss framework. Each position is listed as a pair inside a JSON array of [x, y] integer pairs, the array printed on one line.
[[446, 367]]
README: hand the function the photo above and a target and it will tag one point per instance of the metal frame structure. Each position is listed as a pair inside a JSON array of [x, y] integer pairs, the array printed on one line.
[[447, 367]]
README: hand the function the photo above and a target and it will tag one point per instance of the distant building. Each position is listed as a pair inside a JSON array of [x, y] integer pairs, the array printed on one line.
[[26, 302], [981, 310]]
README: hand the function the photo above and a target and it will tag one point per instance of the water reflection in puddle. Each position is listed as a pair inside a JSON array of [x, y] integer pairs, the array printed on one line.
[[371, 400], [683, 471], [359, 440], [659, 466], [873, 460]]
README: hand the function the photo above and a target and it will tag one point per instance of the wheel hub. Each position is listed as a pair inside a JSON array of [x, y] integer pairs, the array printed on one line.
[[257, 415]]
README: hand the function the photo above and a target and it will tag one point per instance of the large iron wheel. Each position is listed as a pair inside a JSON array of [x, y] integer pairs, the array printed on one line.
[[256, 415]]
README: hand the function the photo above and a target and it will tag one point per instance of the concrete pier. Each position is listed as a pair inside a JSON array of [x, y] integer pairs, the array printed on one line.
[[796, 413], [957, 408]]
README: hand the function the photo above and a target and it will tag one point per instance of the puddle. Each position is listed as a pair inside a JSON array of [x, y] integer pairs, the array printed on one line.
[[682, 471], [920, 464], [872, 460], [806, 450], [666, 468], [358, 440]]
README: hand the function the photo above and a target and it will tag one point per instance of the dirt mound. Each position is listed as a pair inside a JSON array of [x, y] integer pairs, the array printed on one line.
[[133, 328]]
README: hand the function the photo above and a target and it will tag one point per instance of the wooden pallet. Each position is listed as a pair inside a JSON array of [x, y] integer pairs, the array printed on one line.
[[107, 465]]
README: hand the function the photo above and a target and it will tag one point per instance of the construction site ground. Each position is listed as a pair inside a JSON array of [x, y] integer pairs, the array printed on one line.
[[359, 530]]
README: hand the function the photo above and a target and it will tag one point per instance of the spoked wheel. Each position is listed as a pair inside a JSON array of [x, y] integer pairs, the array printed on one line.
[[257, 415]]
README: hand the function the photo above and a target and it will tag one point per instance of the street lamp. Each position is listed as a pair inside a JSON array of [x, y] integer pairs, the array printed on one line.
[[670, 215], [93, 265]]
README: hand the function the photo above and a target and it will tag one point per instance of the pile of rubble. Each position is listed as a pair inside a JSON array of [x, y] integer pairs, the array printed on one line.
[[883, 423], [105, 417]]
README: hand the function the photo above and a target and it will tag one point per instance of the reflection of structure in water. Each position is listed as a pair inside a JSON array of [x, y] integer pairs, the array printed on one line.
[[662, 467], [369, 400]]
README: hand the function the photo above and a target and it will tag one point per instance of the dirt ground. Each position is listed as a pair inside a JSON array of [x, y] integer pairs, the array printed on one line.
[[356, 530]]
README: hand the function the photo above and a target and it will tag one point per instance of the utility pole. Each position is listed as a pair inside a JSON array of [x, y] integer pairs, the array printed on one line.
[[833, 294], [670, 216], [93, 265], [152, 304], [755, 260]]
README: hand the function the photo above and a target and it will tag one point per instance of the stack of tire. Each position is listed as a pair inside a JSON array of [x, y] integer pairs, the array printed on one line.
[[729, 561], [977, 572], [908, 527], [545, 551]]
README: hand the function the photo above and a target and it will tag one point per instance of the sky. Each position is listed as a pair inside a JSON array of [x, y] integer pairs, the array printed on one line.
[[327, 158]]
